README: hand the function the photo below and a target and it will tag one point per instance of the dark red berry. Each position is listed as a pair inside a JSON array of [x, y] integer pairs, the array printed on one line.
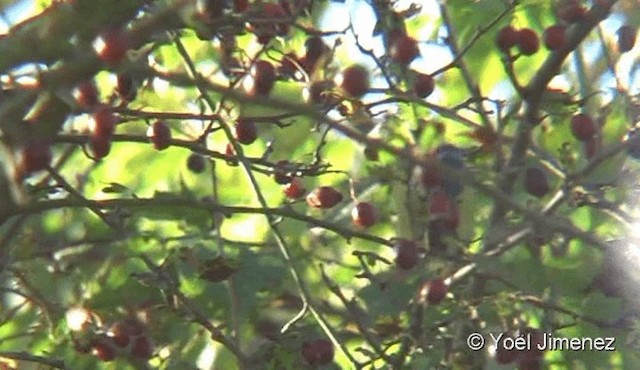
[[160, 135], [407, 254], [434, 291], [536, 182], [112, 45], [317, 352], [126, 87], [571, 11], [507, 38], [423, 85], [196, 163], [142, 347], [35, 156], [528, 42], [354, 81], [626, 38], [263, 77], [246, 131], [583, 127], [324, 197], [86, 94], [104, 122], [294, 189], [555, 37], [100, 146], [103, 350], [403, 49], [363, 214]]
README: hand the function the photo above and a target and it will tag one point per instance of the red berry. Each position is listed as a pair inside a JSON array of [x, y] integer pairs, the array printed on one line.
[[104, 122], [294, 189], [317, 352], [507, 38], [112, 45], [354, 81], [571, 11], [528, 42], [403, 49], [196, 163], [126, 87], [324, 197], [536, 182], [102, 349], [555, 37], [407, 254], [263, 77], [434, 291], [142, 347], [86, 94], [100, 146], [246, 131], [583, 127], [160, 135], [423, 85], [280, 172], [626, 38], [35, 156], [363, 214]]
